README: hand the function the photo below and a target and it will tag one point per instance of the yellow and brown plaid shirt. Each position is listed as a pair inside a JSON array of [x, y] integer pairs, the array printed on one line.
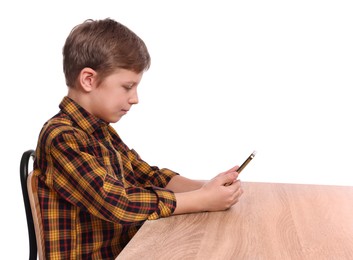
[[94, 191]]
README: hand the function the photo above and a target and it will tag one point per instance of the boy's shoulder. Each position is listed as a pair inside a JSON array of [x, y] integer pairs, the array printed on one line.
[[59, 121], [58, 126]]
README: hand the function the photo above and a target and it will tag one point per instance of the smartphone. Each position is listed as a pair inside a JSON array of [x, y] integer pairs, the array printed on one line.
[[251, 156]]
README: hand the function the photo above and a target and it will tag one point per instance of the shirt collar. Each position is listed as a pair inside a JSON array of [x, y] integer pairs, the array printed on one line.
[[88, 122]]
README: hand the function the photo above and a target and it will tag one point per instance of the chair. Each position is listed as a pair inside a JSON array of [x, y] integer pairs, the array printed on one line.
[[29, 186]]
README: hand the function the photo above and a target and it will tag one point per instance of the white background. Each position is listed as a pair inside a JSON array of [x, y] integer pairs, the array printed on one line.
[[227, 78]]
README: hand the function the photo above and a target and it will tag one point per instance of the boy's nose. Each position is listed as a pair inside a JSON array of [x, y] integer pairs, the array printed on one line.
[[134, 98]]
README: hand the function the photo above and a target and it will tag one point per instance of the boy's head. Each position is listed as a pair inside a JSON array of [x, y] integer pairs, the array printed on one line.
[[104, 46]]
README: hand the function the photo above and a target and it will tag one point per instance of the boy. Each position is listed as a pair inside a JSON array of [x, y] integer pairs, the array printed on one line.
[[94, 191]]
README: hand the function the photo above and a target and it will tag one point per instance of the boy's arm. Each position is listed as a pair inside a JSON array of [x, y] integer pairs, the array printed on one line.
[[146, 174], [83, 180], [182, 184], [192, 195], [220, 193]]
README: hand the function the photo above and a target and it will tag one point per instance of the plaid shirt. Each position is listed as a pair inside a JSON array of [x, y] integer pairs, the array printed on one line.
[[94, 191]]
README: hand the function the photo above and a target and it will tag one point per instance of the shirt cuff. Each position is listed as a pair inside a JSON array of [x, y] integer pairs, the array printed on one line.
[[166, 203], [167, 176]]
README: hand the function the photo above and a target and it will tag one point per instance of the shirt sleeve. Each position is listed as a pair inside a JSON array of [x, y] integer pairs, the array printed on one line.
[[149, 175], [80, 178]]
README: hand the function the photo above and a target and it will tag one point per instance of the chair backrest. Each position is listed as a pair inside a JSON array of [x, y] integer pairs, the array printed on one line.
[[29, 184]]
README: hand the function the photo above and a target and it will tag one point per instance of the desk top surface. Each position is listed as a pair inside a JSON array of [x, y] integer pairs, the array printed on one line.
[[271, 221]]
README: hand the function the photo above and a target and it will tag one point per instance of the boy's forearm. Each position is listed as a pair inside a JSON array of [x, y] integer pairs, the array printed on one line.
[[181, 184], [188, 202], [187, 193]]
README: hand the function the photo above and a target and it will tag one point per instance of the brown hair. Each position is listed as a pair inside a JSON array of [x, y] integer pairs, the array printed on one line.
[[104, 46]]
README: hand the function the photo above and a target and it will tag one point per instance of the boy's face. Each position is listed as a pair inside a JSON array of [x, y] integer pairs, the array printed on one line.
[[114, 97]]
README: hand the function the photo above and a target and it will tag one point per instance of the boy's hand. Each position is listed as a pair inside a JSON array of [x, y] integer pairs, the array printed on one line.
[[222, 192]]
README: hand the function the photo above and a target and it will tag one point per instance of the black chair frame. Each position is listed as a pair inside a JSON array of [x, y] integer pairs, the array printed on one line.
[[26, 156]]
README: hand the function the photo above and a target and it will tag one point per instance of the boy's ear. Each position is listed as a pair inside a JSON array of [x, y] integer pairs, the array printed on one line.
[[88, 79]]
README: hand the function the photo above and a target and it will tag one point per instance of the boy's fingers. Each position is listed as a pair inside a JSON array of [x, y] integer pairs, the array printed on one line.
[[234, 169], [228, 179]]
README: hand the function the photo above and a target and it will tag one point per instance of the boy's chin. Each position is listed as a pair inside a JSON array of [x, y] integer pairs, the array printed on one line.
[[115, 120]]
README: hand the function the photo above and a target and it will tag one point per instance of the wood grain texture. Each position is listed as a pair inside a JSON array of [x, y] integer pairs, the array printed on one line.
[[271, 221]]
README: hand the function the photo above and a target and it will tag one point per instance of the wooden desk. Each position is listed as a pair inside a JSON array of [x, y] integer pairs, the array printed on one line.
[[271, 221]]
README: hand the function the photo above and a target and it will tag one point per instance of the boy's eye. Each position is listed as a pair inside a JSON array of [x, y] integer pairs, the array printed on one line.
[[128, 86]]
